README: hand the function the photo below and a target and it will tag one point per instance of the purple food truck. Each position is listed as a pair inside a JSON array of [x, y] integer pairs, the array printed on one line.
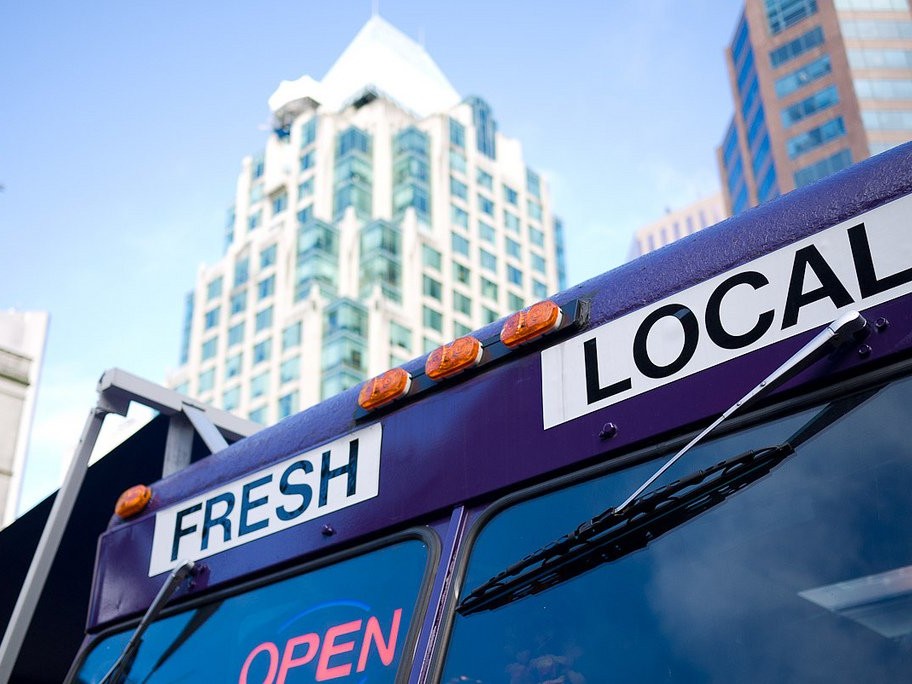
[[692, 468]]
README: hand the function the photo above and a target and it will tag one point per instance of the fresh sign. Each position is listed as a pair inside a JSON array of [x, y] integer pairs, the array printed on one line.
[[854, 265], [309, 485]]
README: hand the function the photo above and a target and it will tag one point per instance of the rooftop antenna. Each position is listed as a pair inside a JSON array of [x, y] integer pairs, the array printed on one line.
[[375, 8]]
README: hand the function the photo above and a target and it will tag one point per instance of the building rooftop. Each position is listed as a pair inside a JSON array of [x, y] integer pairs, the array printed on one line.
[[382, 59]]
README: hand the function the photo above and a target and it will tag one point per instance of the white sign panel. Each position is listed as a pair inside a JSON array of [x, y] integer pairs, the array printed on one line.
[[853, 265], [307, 486]]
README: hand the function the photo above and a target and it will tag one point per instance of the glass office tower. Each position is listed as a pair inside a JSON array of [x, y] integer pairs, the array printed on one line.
[[387, 215]]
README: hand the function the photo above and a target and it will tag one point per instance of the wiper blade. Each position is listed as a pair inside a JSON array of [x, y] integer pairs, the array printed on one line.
[[200, 617], [121, 668], [618, 532], [614, 534]]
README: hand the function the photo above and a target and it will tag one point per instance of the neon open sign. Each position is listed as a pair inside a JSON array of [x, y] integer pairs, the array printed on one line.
[[337, 652]]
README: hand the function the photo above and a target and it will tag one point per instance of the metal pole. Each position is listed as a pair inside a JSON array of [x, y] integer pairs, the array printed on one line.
[[116, 389], [48, 545]]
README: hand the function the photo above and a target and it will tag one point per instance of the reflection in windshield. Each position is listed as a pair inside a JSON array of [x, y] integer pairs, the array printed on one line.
[[343, 622], [725, 596], [612, 535], [619, 531]]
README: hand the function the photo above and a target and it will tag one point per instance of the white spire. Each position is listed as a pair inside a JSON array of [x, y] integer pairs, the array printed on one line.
[[385, 59]]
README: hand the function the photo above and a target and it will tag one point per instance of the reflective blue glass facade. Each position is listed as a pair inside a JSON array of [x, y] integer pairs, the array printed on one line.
[[823, 168], [485, 127], [733, 165], [816, 84], [411, 172], [782, 14]]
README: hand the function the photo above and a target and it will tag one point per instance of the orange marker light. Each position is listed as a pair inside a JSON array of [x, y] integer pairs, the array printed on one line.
[[385, 388], [531, 323], [453, 358], [132, 501]]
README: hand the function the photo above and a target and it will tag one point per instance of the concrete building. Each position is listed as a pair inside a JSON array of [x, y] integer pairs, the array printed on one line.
[[677, 224], [817, 85], [387, 215], [22, 340]]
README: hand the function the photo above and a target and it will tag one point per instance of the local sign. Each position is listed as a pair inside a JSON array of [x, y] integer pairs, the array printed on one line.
[[854, 265]]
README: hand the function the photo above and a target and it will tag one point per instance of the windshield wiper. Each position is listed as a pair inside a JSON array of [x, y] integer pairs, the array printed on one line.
[[121, 668], [200, 617], [612, 535], [837, 333], [620, 530]]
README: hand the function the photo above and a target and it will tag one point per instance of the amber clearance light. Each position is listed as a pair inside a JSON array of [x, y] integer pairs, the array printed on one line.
[[453, 358], [132, 501], [531, 323], [385, 388]]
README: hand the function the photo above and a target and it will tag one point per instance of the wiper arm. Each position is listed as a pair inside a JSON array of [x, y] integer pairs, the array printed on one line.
[[200, 617], [118, 672], [641, 518], [835, 334], [614, 534]]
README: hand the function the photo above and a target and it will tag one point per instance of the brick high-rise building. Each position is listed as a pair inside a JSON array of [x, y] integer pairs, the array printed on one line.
[[817, 84]]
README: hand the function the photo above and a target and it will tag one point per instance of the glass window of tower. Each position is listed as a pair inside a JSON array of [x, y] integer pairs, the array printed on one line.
[[781, 14], [486, 232], [803, 76], [236, 334], [459, 216], [233, 365], [431, 288], [823, 168], [287, 405], [209, 348], [263, 319], [797, 47], [262, 351], [876, 29], [462, 304], [488, 260], [457, 133], [291, 336], [241, 271], [430, 257], [268, 256], [461, 273], [458, 189], [533, 183], [290, 370], [214, 288], [460, 244], [432, 319], [266, 287], [488, 289]]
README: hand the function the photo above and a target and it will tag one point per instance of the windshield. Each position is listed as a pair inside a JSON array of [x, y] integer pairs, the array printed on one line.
[[348, 621], [804, 575]]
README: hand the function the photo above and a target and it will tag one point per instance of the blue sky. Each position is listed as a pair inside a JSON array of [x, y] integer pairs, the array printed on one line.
[[124, 125]]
